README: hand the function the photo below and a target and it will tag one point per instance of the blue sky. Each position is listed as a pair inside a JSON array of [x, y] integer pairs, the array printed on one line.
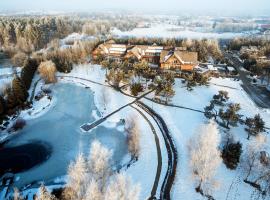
[[241, 6]]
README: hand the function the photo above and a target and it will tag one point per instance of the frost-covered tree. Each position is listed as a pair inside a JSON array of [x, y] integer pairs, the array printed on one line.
[[121, 188], [93, 178], [17, 195], [47, 71], [76, 179], [133, 136], [99, 164], [93, 191], [44, 194], [205, 156]]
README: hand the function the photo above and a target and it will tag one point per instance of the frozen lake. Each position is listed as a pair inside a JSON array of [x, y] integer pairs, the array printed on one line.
[[60, 127]]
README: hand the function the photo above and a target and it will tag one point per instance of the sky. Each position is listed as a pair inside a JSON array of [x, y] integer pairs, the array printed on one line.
[[219, 6]]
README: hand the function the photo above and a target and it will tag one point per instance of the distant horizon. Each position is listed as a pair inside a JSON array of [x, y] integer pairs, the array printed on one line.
[[174, 7]]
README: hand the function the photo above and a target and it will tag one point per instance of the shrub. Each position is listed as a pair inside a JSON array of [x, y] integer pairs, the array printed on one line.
[[47, 71], [231, 154], [135, 88]]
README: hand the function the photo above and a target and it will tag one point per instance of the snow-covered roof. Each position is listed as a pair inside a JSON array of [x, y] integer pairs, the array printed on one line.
[[153, 50], [186, 57], [118, 46], [155, 47], [117, 49]]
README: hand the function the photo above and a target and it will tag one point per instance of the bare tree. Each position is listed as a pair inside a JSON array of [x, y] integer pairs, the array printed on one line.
[[47, 71], [256, 164], [205, 156], [133, 136]]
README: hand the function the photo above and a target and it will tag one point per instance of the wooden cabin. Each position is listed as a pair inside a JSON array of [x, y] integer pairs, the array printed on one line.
[[175, 59]]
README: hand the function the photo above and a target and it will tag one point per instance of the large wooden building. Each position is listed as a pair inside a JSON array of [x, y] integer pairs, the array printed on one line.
[[164, 57], [146, 53], [178, 59]]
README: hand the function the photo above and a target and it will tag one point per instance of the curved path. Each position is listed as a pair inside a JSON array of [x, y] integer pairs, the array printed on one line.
[[171, 150], [159, 156]]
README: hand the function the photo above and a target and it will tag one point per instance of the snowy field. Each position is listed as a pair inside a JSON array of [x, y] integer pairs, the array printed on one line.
[[172, 31], [147, 162], [144, 170], [182, 125]]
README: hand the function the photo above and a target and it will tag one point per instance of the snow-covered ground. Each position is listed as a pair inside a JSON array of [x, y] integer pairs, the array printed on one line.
[[70, 39], [162, 30], [181, 123], [143, 171], [184, 123]]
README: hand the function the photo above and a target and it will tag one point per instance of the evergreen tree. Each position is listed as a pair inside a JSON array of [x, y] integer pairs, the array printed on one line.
[[221, 98], [19, 90], [164, 85], [11, 101], [255, 125], [2, 105], [28, 71], [230, 116], [231, 154]]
